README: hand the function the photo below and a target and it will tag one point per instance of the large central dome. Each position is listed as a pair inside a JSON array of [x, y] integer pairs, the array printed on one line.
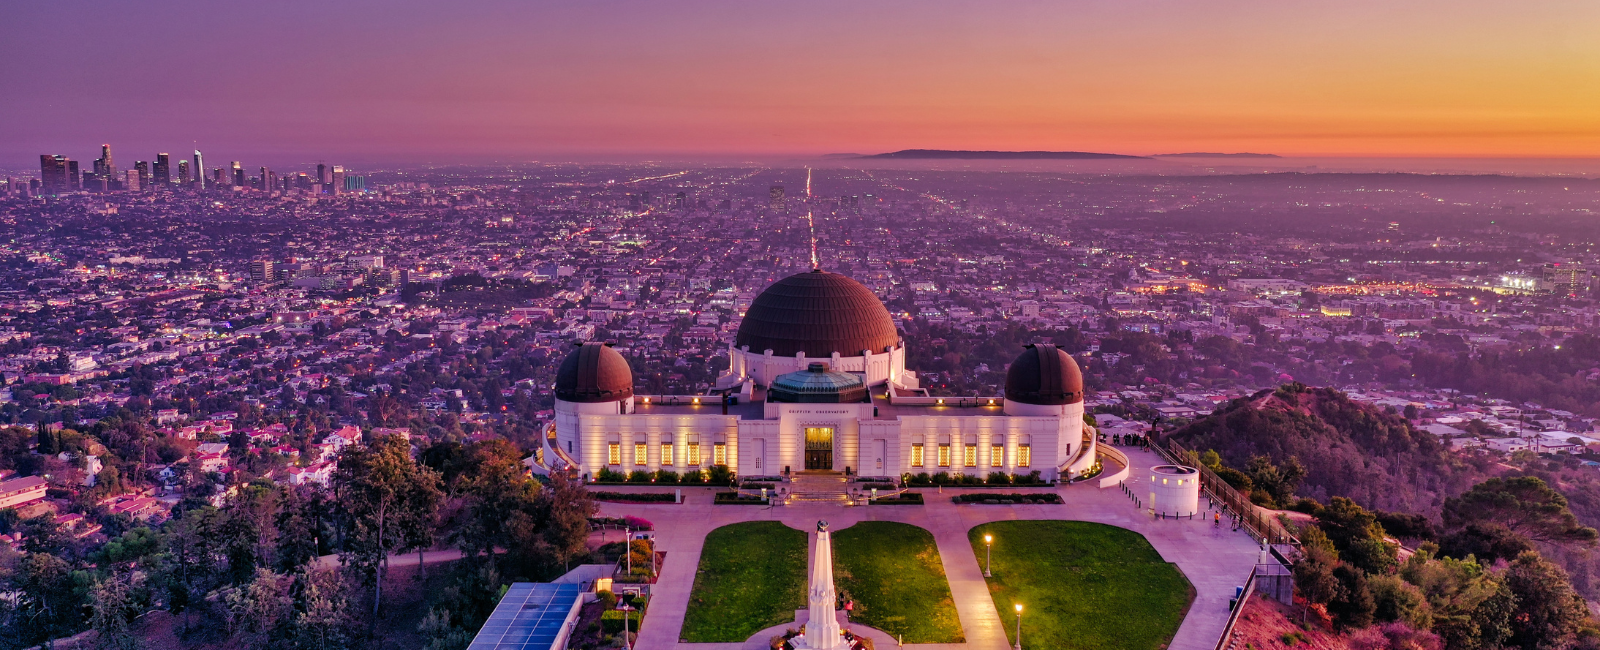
[[817, 313]]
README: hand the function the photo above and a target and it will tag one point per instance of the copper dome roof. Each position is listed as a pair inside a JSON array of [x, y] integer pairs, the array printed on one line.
[[817, 313], [594, 373], [1044, 375]]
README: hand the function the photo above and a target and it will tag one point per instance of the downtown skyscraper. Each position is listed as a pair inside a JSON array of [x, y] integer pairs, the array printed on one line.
[[161, 172]]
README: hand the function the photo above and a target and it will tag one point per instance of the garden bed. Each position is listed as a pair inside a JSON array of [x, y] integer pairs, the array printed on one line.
[[1007, 499], [634, 497], [993, 479], [903, 499], [734, 499]]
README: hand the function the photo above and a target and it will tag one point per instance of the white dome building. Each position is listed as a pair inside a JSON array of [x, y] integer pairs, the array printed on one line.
[[817, 381]]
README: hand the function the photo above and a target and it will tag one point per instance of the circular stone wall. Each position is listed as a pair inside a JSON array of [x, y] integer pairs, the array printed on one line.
[[1175, 490]]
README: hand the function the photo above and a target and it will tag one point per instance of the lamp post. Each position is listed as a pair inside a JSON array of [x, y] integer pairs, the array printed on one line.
[[988, 547], [1018, 646], [627, 625]]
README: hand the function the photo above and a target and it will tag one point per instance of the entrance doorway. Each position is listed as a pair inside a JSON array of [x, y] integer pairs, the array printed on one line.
[[819, 448]]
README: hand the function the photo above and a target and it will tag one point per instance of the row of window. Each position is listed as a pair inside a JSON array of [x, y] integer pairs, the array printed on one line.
[[719, 454], [997, 455]]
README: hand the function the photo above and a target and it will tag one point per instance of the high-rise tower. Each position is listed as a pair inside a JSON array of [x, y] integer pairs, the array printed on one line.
[[199, 172], [238, 174], [103, 165], [183, 172], [162, 171], [53, 173]]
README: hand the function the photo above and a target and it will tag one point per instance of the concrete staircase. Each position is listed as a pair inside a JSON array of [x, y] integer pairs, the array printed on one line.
[[819, 488]]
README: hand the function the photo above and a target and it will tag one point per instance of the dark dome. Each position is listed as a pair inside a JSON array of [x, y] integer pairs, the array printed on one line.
[[1045, 376], [594, 373], [818, 313], [818, 385]]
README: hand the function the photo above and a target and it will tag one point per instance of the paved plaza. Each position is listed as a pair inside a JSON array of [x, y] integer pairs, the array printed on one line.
[[1215, 560]]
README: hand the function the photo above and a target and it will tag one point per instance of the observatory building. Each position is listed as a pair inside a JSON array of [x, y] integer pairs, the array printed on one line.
[[817, 381]]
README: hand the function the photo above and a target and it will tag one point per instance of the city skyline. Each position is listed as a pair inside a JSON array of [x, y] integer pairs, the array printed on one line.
[[619, 325], [497, 80]]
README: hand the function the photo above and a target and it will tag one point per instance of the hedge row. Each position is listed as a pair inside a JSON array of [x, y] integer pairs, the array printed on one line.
[[1005, 499], [904, 499], [733, 499], [634, 497]]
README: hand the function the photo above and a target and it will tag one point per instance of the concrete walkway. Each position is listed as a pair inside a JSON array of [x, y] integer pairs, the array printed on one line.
[[1215, 560]]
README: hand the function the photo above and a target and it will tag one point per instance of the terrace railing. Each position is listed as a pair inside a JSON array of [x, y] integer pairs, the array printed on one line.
[[1261, 523]]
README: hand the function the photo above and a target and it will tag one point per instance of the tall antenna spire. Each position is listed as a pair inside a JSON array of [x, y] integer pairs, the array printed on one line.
[[812, 223]]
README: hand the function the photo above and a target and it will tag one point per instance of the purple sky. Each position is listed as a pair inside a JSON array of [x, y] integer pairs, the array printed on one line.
[[294, 81]]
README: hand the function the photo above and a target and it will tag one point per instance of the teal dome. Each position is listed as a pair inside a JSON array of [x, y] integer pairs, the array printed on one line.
[[817, 385]]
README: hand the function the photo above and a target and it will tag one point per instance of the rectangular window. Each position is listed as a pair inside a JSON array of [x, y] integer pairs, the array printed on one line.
[[997, 455], [1024, 456], [694, 454], [666, 453], [719, 454], [944, 455], [614, 454], [970, 458], [916, 455], [639, 453]]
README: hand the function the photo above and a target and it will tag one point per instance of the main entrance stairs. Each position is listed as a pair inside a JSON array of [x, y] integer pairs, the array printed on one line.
[[819, 488]]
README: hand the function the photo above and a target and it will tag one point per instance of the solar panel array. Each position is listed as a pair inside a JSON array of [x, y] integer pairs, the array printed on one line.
[[529, 617]]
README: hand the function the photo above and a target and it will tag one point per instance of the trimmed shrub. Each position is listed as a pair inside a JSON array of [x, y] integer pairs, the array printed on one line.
[[667, 476], [999, 478], [634, 497], [639, 476], [1042, 497], [734, 499], [611, 621], [904, 499]]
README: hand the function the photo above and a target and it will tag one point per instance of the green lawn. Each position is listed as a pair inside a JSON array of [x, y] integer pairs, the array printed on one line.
[[752, 576], [1083, 585], [893, 572]]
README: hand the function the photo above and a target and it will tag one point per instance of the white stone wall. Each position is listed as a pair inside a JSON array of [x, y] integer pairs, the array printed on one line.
[[762, 368], [859, 440], [1174, 490]]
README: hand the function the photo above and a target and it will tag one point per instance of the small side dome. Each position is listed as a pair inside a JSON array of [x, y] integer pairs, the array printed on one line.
[[817, 385], [594, 373], [1045, 376]]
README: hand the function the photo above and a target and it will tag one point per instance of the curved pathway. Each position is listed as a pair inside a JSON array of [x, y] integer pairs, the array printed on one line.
[[1214, 560]]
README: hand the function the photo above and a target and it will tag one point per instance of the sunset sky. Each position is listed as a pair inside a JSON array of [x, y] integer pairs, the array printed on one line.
[[518, 79]]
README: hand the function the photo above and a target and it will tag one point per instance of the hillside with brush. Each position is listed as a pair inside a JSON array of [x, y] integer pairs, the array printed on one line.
[[1345, 448]]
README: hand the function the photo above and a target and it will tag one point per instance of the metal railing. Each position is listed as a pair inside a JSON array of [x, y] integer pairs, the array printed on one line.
[[1261, 523], [1238, 607]]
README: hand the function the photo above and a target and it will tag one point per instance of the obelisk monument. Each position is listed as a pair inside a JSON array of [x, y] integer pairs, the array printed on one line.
[[822, 630]]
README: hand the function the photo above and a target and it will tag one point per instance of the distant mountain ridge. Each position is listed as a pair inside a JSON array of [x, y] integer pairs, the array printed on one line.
[[947, 154], [1206, 154]]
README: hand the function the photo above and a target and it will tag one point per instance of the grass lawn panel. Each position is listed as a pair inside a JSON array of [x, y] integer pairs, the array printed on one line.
[[893, 572], [752, 576], [1083, 585]]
